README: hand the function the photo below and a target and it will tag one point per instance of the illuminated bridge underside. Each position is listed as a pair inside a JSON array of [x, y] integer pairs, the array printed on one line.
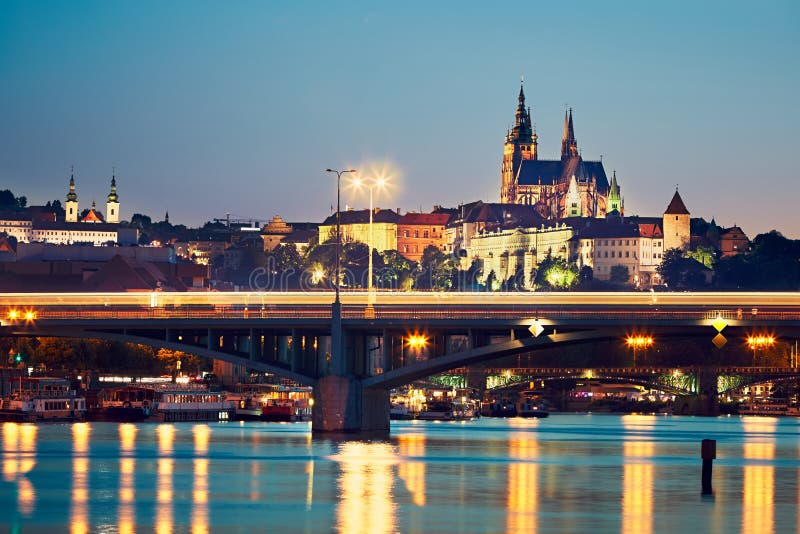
[[675, 380]]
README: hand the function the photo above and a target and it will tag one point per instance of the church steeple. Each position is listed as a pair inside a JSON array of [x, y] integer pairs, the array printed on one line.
[[71, 206], [112, 204], [614, 199], [521, 143], [569, 146]]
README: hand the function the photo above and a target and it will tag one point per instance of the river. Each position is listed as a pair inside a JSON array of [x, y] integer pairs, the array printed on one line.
[[567, 473]]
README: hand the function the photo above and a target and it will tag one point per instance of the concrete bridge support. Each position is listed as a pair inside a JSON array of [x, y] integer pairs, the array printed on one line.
[[706, 402], [342, 404]]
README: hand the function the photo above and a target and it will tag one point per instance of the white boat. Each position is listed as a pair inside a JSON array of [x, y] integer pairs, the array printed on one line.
[[34, 399], [190, 402], [764, 407], [436, 411], [528, 407]]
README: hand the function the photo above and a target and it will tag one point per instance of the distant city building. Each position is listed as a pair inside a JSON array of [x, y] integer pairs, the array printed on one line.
[[32, 225], [569, 187], [677, 233], [418, 231], [355, 227], [733, 241], [279, 232]]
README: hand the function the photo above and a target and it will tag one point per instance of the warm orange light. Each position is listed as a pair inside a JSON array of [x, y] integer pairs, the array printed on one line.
[[30, 315], [417, 341], [639, 341], [760, 341], [13, 315]]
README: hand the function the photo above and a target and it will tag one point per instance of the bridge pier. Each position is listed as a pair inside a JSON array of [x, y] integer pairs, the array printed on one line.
[[342, 404]]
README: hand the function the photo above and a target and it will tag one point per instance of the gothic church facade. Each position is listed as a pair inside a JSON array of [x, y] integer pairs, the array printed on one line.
[[558, 189]]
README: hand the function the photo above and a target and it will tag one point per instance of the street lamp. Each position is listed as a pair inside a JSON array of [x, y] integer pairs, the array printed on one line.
[[371, 185], [337, 362], [755, 342], [638, 342]]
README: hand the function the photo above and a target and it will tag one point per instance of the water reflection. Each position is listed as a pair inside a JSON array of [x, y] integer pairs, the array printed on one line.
[[127, 467], [637, 476], [365, 485], [200, 491], [19, 458], [166, 438], [309, 474], [79, 514], [523, 483], [413, 473], [759, 480]]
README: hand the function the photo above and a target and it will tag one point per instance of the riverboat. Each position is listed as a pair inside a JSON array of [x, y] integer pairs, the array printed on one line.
[[127, 404], [528, 407], [273, 402], [437, 411], [191, 402], [764, 407], [398, 411], [39, 399]]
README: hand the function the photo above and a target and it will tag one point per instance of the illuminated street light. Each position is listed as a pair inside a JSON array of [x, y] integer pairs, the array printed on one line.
[[337, 361], [379, 183], [30, 315], [638, 342], [417, 341], [759, 342]]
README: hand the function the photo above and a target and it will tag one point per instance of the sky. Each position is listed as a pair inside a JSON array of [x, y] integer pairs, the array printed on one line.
[[210, 108]]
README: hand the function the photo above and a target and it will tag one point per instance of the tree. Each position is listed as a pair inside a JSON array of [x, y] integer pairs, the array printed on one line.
[[556, 273], [704, 254], [670, 269], [619, 274], [437, 270], [396, 271]]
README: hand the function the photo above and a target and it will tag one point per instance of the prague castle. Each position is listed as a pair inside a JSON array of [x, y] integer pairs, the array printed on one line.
[[569, 187]]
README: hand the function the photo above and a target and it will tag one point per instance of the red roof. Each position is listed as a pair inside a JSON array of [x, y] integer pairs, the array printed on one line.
[[676, 206], [650, 230], [435, 219]]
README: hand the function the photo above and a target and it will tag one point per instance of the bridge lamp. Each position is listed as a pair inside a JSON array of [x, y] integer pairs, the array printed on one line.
[[759, 342], [30, 315], [417, 341], [13, 315], [638, 342], [376, 183]]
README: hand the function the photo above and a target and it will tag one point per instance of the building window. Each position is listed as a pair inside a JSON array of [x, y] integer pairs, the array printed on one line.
[[405, 234], [676, 217], [606, 254], [425, 233], [627, 254], [416, 233]]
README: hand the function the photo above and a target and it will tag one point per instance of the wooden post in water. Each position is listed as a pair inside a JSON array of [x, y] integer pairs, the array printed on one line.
[[708, 451]]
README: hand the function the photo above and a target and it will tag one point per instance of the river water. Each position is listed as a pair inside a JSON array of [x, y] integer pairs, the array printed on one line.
[[566, 473]]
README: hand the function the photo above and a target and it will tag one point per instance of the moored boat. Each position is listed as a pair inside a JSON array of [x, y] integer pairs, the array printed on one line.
[[35, 399]]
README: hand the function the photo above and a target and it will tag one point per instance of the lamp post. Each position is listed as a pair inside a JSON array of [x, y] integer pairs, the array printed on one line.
[[637, 342], [337, 363], [370, 185]]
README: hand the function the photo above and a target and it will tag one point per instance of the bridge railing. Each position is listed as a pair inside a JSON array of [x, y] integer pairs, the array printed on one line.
[[398, 312]]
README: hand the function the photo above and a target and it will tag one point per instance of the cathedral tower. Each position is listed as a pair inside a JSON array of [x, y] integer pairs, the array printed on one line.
[[71, 206], [521, 143], [112, 204], [569, 146]]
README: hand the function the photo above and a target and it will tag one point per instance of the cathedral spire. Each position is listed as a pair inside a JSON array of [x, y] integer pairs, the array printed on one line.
[[569, 146]]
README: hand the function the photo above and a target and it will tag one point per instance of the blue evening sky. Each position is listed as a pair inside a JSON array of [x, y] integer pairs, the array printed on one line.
[[208, 108]]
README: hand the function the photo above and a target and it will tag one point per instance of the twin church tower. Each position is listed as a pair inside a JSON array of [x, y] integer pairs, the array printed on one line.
[[569, 187], [112, 205]]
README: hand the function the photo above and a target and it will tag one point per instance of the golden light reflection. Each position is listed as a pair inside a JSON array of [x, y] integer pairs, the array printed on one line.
[[166, 438], [758, 505], [10, 451], [79, 512], [19, 458], [365, 484], [310, 484], [638, 477], [523, 483], [200, 491], [127, 468], [255, 469], [413, 473]]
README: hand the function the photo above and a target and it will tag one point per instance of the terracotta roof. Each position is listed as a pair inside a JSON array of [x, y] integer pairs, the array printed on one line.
[[439, 219], [676, 206], [650, 230], [128, 274]]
